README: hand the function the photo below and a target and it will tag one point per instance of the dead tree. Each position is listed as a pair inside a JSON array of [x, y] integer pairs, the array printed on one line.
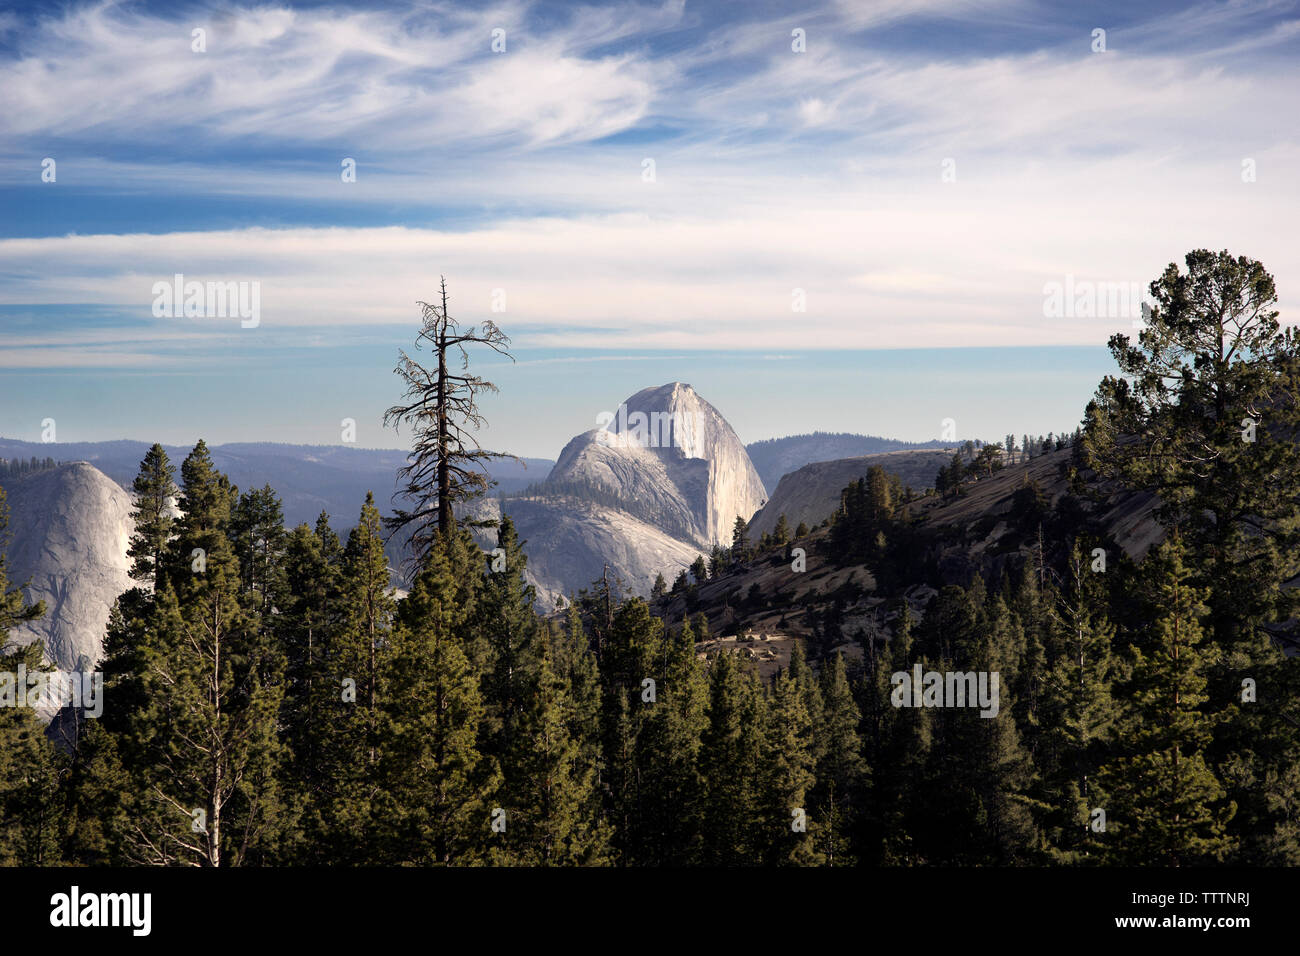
[[444, 466]]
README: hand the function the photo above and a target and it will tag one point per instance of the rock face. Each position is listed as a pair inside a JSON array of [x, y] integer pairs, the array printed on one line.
[[658, 483], [570, 541], [777, 457], [812, 494], [69, 530], [669, 455]]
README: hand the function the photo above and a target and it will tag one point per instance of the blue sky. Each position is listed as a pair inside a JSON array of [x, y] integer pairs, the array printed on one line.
[[916, 178]]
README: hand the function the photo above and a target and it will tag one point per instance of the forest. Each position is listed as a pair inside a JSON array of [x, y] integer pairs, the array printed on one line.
[[271, 701]]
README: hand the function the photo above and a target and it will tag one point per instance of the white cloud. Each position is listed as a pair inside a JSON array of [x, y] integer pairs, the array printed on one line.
[[418, 77], [819, 171], [926, 263]]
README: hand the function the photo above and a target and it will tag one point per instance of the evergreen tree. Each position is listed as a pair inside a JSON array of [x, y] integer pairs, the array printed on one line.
[[1167, 806], [633, 656], [155, 494], [205, 751], [1077, 712], [791, 833], [1205, 413], [307, 627], [730, 760], [436, 803], [841, 771], [257, 532], [740, 539], [672, 753], [1213, 359], [29, 765], [781, 533], [901, 784], [505, 647], [660, 587], [552, 789]]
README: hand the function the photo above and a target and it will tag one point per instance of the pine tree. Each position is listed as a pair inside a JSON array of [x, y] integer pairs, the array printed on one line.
[[574, 660], [901, 783], [445, 467], [346, 688], [29, 765], [633, 656], [841, 771], [435, 803], [155, 494], [1166, 805], [306, 628], [1004, 776], [740, 539], [730, 762], [1077, 712], [790, 830], [98, 799], [1204, 413], [506, 639], [205, 752], [1213, 360], [781, 533], [672, 753], [257, 531], [551, 792]]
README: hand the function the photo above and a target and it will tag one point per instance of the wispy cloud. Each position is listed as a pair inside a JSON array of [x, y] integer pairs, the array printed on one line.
[[407, 78], [775, 171]]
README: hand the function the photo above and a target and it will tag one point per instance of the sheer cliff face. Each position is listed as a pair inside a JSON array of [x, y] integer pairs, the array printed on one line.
[[670, 454], [69, 530]]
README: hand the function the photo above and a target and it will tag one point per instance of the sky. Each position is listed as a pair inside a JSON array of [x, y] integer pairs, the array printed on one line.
[[836, 216]]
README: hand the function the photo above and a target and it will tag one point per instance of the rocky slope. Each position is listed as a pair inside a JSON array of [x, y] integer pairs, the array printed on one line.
[[69, 530], [976, 533], [812, 493]]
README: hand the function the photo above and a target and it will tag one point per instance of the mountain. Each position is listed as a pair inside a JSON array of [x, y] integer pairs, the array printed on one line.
[[759, 606], [308, 478], [658, 484], [776, 457], [812, 493], [69, 528], [669, 450], [570, 541]]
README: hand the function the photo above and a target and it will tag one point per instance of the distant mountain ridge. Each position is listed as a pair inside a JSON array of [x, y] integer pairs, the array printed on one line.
[[644, 494], [775, 457], [308, 478]]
